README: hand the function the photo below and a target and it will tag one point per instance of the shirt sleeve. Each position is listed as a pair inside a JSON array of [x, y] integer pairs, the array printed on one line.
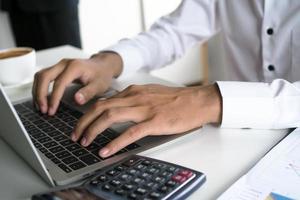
[[274, 105], [168, 39]]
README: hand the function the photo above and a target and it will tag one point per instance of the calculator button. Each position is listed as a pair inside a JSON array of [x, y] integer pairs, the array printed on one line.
[[145, 175], [107, 187], [178, 178], [171, 183], [125, 177], [127, 186], [112, 172], [94, 182], [166, 174], [151, 185], [115, 183], [163, 189], [159, 179], [146, 162], [186, 173], [120, 168], [132, 196], [131, 161], [155, 195], [120, 192], [141, 191], [138, 180], [152, 170], [171, 169], [102, 178]]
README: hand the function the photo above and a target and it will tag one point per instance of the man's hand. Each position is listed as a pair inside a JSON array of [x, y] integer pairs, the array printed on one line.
[[157, 110], [95, 74]]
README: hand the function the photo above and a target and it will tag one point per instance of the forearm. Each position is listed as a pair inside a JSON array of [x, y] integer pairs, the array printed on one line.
[[273, 105], [170, 37]]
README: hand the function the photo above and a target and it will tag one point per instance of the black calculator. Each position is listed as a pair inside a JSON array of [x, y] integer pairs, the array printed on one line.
[[135, 177]]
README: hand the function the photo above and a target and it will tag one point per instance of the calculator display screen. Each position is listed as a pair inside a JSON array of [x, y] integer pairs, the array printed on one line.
[[68, 194]]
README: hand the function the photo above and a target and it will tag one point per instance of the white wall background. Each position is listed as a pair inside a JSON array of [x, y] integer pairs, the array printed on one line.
[[104, 22]]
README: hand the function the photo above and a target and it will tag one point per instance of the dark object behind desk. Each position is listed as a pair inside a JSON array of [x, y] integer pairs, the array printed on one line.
[[44, 24]]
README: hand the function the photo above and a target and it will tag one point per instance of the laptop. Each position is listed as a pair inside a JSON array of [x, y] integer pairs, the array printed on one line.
[[44, 142]]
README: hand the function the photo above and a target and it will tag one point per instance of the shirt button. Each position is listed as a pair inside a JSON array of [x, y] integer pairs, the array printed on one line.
[[270, 31], [271, 68]]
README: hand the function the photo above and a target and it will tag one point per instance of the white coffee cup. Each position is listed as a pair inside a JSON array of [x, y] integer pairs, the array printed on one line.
[[16, 65]]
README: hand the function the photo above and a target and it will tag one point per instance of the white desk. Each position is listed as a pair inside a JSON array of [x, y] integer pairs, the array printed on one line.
[[222, 154]]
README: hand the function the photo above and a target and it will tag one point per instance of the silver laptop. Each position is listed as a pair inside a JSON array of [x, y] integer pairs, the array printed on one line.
[[44, 142]]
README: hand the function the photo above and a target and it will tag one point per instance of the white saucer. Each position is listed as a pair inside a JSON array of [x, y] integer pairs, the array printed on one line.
[[25, 83]]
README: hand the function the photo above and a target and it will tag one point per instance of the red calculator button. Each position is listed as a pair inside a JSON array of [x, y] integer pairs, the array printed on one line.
[[186, 173], [178, 178]]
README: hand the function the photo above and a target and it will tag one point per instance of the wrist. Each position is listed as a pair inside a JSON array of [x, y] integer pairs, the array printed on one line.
[[213, 103], [111, 61]]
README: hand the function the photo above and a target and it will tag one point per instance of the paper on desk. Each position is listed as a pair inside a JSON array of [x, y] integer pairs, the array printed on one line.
[[275, 177]]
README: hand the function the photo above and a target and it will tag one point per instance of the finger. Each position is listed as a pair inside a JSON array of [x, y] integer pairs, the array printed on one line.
[[96, 110], [60, 84], [88, 92], [110, 117], [127, 91], [42, 80], [131, 135]]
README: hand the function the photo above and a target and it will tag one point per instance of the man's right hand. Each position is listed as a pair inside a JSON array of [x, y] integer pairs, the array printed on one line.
[[95, 74]]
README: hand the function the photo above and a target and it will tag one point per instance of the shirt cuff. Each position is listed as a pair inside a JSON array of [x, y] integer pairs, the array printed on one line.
[[131, 57], [246, 105]]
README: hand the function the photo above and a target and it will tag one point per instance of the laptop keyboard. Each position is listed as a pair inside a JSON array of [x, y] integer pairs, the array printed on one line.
[[51, 136]]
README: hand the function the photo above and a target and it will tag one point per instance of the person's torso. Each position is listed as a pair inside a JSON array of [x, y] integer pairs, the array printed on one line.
[[261, 39]]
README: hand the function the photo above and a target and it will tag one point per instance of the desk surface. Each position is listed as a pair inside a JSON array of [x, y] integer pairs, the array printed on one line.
[[222, 154]]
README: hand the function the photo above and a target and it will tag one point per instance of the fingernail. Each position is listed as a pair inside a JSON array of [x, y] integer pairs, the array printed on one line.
[[43, 109], [51, 111], [80, 98], [83, 141], [73, 137], [104, 152]]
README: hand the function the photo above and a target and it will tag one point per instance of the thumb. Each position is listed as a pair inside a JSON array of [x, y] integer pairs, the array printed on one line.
[[87, 93]]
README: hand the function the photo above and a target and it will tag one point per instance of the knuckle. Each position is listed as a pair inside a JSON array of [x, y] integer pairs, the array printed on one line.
[[75, 63], [134, 131], [109, 114]]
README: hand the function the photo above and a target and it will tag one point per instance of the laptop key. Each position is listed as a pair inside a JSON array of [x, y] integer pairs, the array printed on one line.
[[89, 159], [62, 154], [66, 130], [66, 142], [60, 137], [44, 139], [92, 146], [55, 160], [77, 165], [69, 160], [38, 135], [50, 144], [54, 133], [65, 168], [80, 152], [49, 155], [56, 149], [101, 139], [43, 150], [48, 129], [33, 131], [73, 147], [132, 146]]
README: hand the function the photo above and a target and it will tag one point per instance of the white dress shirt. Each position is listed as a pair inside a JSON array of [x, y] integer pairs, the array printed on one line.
[[262, 53]]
